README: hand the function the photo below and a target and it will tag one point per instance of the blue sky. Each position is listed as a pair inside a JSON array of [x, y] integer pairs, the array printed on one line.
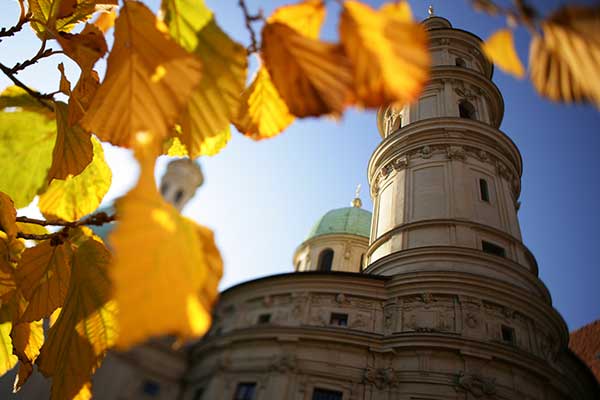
[[261, 198]]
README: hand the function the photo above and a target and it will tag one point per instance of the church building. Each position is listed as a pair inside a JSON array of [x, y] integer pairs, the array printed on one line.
[[432, 296]]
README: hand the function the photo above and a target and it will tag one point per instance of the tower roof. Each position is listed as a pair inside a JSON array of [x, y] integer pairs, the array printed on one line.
[[347, 220]]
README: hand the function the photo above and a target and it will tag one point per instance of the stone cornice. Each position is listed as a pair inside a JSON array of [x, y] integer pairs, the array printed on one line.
[[384, 237]]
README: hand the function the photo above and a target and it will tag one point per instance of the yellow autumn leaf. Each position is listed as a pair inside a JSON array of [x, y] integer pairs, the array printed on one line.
[[85, 48], [388, 51], [8, 216], [7, 359], [85, 328], [27, 339], [73, 150], [43, 276], [500, 49], [174, 148], [79, 195], [564, 61], [82, 96], [161, 265], [64, 85], [305, 17], [7, 275], [106, 20], [205, 122], [312, 77], [33, 229], [263, 113], [149, 80]]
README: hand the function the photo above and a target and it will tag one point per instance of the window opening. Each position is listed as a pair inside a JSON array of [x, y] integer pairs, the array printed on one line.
[[508, 334], [164, 188], [151, 388], [460, 62], [338, 319], [466, 110], [362, 262], [178, 196], [484, 190], [245, 391], [264, 319], [325, 394], [492, 248], [325, 260]]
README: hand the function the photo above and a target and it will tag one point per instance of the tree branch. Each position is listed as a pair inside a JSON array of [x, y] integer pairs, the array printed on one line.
[[42, 53], [24, 18], [249, 19], [40, 97], [59, 236]]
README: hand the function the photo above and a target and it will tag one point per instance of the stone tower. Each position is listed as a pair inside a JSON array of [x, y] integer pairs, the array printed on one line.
[[180, 182], [445, 183]]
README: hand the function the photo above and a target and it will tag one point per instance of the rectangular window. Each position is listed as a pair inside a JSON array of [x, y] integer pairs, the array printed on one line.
[[198, 394], [264, 319], [245, 391], [151, 388], [492, 248], [508, 334], [339, 319], [324, 394], [484, 191]]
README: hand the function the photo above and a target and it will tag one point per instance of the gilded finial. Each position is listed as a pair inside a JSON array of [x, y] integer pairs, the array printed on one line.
[[357, 202], [430, 11]]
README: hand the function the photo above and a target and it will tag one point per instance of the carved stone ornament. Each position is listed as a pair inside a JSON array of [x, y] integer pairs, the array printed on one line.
[[465, 93], [400, 162], [472, 320], [392, 120], [426, 297], [476, 384], [267, 301], [381, 378], [503, 170], [340, 298], [426, 152], [284, 363], [444, 42], [483, 155], [456, 153]]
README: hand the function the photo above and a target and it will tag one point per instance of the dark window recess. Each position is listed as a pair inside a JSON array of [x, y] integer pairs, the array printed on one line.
[[264, 318], [198, 394], [164, 188], [245, 391], [151, 388], [466, 110], [325, 260], [362, 262], [508, 334], [324, 394], [484, 190], [460, 62], [339, 319], [178, 196], [492, 248], [298, 266]]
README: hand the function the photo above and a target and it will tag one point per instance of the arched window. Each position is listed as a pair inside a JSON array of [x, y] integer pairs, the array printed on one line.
[[325, 260], [460, 62], [466, 109], [178, 196], [362, 262]]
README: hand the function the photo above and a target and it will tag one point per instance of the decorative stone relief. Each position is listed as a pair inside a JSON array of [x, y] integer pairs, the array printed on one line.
[[476, 384], [359, 321], [549, 347], [426, 152], [392, 120], [427, 313], [400, 162], [340, 298], [267, 301], [381, 378], [456, 153], [284, 363], [464, 92], [444, 41]]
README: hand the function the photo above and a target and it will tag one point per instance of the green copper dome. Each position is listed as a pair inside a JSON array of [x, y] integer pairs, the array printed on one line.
[[348, 220]]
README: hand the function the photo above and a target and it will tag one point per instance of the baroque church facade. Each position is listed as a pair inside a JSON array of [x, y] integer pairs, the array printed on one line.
[[433, 296]]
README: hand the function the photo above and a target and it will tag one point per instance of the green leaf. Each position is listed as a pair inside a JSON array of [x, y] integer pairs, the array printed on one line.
[[78, 195], [25, 155], [60, 15], [205, 122], [14, 96]]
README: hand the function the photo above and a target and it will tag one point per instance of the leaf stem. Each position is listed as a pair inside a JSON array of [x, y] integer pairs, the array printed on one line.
[[94, 219], [24, 18]]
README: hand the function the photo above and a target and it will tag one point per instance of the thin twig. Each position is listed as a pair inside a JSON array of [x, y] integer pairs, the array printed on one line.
[[249, 19], [40, 97], [94, 219], [60, 236], [24, 18], [522, 13], [42, 53]]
